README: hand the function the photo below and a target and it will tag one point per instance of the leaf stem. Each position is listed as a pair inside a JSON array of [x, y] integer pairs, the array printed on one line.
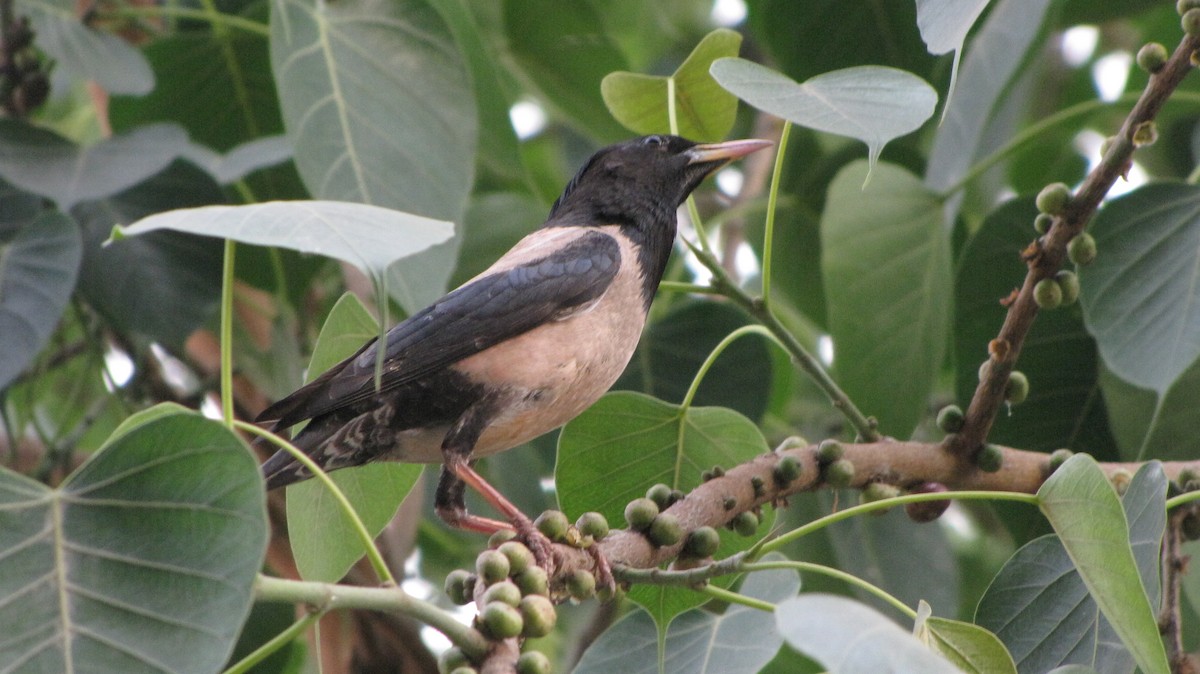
[[772, 203], [175, 11], [279, 641], [735, 598], [680, 287], [716, 353], [1183, 499], [847, 578], [227, 281], [372, 552]]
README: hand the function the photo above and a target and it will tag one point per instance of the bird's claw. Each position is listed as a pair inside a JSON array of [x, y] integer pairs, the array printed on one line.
[[537, 542], [604, 575]]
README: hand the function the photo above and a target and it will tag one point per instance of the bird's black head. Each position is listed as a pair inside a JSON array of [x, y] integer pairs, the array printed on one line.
[[638, 185]]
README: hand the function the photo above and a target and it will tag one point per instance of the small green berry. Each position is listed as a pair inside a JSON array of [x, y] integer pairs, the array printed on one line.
[[553, 524], [1182, 6], [1042, 223], [539, 616], [1058, 457], [505, 591], [501, 537], [451, 659], [702, 542], [533, 580], [829, 451], [1048, 294], [1053, 199], [491, 566], [592, 524], [457, 586], [533, 662], [757, 484], [950, 419], [661, 495], [664, 530], [1191, 22], [787, 470], [879, 491], [1082, 249], [985, 368], [791, 442], [927, 511], [1017, 388], [729, 503], [1152, 57], [501, 621], [1122, 478], [840, 473], [989, 459], [465, 669], [640, 513], [519, 556], [1069, 283], [746, 524], [581, 584]]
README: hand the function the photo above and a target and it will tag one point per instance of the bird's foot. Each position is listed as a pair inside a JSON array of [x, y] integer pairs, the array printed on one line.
[[536, 541], [606, 584]]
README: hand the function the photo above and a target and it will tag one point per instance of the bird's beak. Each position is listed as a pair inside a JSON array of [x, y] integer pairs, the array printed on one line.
[[723, 153]]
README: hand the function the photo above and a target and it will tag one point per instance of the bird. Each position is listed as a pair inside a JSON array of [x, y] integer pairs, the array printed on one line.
[[518, 350]]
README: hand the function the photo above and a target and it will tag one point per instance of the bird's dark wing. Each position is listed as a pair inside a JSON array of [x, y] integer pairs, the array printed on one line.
[[468, 320]]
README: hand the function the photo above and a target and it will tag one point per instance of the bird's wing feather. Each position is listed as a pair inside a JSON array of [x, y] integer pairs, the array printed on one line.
[[480, 314]]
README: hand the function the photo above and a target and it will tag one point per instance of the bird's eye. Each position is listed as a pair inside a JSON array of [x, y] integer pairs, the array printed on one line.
[[656, 141]]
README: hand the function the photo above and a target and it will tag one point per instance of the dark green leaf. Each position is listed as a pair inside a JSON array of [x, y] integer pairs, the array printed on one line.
[[1172, 431], [87, 53], [37, 275], [142, 561], [886, 262], [44, 163]]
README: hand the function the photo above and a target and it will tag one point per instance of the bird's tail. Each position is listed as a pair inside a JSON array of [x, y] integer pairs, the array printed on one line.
[[283, 469]]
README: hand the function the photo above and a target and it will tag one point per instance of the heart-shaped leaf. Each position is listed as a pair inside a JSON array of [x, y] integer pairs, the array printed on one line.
[[944, 25], [871, 103], [323, 542], [704, 111], [86, 52], [142, 561]]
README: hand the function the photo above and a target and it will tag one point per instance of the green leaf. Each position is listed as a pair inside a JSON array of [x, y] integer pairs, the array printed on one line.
[[323, 542], [886, 262], [161, 286], [674, 347], [871, 103], [142, 561], [89, 54], [564, 49], [739, 641], [1172, 431], [46, 164], [626, 442], [850, 638], [1141, 297], [38, 268], [1039, 587], [368, 237], [377, 101], [704, 111], [1065, 407], [143, 417], [971, 648], [944, 25], [1086, 514], [242, 160]]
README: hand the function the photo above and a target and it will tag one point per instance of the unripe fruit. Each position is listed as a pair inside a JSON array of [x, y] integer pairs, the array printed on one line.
[[451, 659], [664, 530], [950, 419], [840, 473], [1191, 22], [701, 542], [505, 592], [1152, 57], [533, 662], [1053, 198], [501, 621], [985, 368], [989, 459], [491, 566], [787, 469], [829, 451], [1048, 294], [1082, 249], [661, 495], [539, 616], [640, 513], [533, 581], [1017, 388], [581, 584], [791, 442], [746, 524], [1182, 6], [878, 491], [1041, 224], [1122, 478], [1069, 283], [519, 556], [553, 524], [456, 586], [501, 537], [927, 511], [465, 669], [592, 524], [1058, 457]]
